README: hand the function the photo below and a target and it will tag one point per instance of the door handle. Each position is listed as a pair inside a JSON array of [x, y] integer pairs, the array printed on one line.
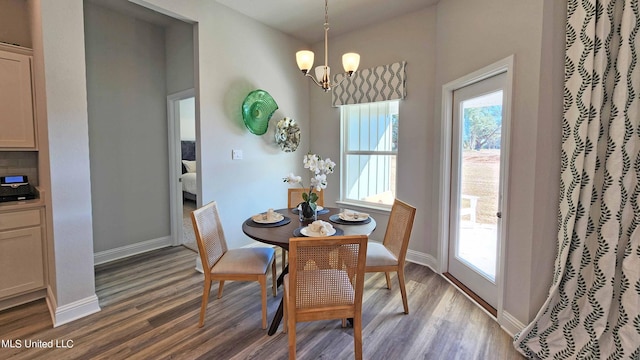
[[499, 214]]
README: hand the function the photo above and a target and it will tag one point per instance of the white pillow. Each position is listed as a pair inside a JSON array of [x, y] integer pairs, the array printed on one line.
[[190, 165]]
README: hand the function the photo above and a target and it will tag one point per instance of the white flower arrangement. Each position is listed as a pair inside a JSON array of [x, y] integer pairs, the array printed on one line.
[[320, 168]]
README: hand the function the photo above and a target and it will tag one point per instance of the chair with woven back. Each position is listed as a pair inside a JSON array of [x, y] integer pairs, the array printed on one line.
[[220, 263], [294, 198], [325, 281], [390, 255]]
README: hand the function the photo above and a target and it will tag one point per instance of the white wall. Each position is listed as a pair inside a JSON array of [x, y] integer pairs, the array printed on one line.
[[126, 89], [72, 286]]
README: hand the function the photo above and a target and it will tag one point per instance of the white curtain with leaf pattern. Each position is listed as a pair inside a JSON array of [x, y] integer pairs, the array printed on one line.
[[593, 307]]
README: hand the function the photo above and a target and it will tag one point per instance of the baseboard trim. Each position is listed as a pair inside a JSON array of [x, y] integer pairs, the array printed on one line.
[[129, 250], [75, 310], [423, 259], [510, 324], [22, 299]]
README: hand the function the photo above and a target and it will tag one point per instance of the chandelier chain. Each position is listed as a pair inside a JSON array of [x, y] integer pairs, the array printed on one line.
[[326, 14]]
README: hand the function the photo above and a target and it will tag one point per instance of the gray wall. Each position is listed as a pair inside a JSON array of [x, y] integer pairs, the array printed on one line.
[[179, 55], [126, 90], [241, 187], [227, 70], [436, 54], [441, 44]]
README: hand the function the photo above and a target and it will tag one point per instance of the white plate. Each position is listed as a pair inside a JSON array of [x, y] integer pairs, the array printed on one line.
[[361, 217], [306, 232], [277, 217]]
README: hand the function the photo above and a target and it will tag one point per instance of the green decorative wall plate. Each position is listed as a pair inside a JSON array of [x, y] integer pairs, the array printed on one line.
[[257, 109]]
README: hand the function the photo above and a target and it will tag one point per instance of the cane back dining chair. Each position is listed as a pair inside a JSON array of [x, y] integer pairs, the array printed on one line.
[[220, 263], [325, 281], [390, 255], [295, 198]]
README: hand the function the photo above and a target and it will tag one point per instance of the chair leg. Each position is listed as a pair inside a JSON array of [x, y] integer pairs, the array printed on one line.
[[205, 301], [285, 313], [263, 287], [357, 336], [291, 329], [274, 279], [386, 275], [220, 288], [403, 290], [284, 259]]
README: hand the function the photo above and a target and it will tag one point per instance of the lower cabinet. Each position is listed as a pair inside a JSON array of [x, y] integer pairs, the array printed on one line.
[[21, 252]]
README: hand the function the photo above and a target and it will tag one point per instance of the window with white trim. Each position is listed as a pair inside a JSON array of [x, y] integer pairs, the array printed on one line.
[[369, 152]]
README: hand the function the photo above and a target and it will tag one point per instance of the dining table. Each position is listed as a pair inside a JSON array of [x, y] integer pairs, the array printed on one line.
[[278, 234]]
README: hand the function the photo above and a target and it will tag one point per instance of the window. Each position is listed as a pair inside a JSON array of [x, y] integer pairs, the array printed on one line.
[[369, 152]]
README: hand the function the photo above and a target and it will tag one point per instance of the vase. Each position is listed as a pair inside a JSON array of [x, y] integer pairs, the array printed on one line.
[[306, 212]]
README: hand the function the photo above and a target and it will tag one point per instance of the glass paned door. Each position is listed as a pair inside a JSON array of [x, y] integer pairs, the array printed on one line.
[[476, 186]]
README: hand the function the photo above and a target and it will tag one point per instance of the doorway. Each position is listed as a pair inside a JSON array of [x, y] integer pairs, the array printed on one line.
[[183, 165], [476, 173]]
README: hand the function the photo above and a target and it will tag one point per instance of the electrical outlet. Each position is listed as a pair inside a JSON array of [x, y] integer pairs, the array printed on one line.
[[236, 154]]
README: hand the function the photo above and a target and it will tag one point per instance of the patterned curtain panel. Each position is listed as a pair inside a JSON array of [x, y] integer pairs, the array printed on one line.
[[592, 311], [386, 82]]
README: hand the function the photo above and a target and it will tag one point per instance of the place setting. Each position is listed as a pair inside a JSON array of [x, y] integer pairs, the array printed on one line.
[[270, 218], [350, 217], [317, 228]]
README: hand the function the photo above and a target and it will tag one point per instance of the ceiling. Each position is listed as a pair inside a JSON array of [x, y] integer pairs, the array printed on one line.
[[304, 19]]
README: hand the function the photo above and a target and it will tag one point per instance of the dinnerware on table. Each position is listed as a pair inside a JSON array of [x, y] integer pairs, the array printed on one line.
[[268, 217], [350, 215]]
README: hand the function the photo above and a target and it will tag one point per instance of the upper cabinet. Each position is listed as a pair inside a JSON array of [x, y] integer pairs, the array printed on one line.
[[16, 100]]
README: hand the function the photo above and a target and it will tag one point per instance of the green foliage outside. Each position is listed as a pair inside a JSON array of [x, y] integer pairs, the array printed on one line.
[[481, 127]]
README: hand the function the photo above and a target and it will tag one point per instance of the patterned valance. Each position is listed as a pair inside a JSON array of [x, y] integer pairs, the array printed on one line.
[[386, 82]]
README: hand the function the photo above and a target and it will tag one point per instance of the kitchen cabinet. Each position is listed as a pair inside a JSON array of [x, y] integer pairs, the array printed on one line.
[[21, 252], [17, 119]]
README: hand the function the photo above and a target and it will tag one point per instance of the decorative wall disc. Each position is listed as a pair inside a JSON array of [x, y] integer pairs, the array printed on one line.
[[257, 109], [287, 134]]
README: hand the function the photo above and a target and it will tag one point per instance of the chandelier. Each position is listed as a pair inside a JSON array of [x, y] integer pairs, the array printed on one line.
[[304, 58]]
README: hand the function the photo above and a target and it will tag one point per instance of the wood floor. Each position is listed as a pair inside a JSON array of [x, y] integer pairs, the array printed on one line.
[[150, 306]]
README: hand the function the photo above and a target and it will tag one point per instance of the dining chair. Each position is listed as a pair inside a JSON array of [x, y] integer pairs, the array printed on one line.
[[325, 281], [221, 264], [295, 198], [390, 255]]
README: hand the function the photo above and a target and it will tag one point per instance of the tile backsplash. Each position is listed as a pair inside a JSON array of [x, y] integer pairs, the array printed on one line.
[[20, 163]]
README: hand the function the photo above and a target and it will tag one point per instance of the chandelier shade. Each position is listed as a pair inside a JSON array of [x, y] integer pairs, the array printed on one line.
[[304, 58]]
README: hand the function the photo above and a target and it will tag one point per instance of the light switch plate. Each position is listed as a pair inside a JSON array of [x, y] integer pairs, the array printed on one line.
[[236, 154]]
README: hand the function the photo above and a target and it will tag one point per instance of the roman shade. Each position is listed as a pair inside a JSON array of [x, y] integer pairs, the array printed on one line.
[[381, 83]]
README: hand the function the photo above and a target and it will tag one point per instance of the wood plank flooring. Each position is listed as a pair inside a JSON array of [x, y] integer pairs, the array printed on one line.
[[150, 307]]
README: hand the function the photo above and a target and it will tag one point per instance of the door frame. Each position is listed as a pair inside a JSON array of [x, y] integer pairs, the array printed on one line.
[[505, 65], [175, 158]]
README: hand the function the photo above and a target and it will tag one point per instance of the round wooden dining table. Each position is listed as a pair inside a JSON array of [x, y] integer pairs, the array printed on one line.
[[279, 235]]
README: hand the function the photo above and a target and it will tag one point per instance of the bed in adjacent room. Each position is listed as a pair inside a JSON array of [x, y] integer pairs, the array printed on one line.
[[188, 177]]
